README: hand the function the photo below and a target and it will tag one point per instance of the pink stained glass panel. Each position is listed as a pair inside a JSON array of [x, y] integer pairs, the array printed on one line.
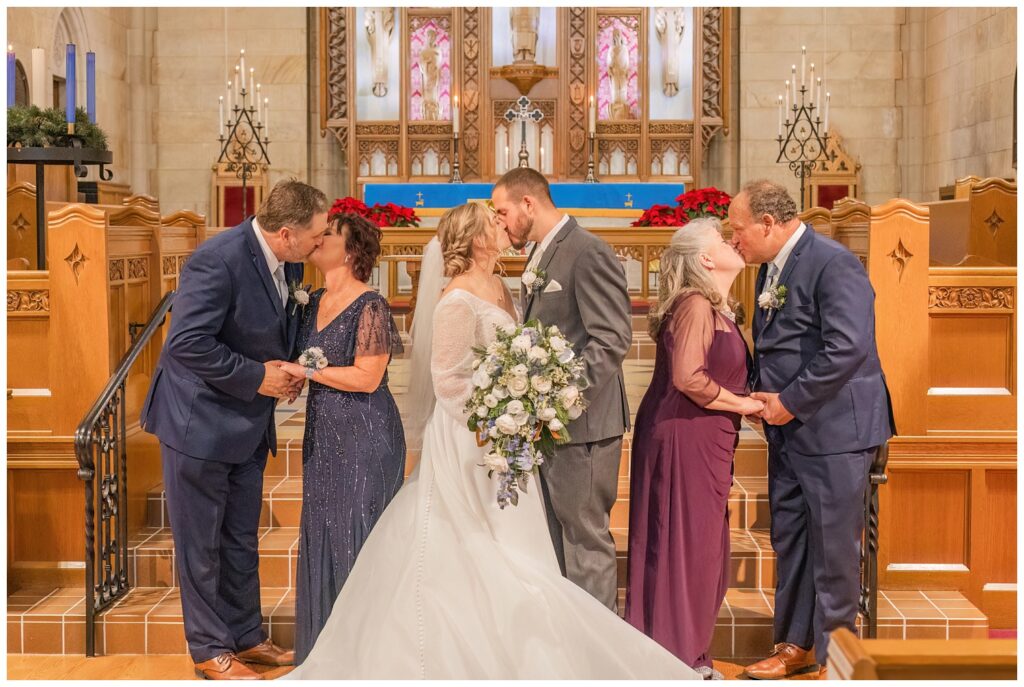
[[438, 55], [628, 28]]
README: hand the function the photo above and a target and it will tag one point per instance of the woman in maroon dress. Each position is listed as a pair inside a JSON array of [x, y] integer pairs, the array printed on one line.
[[683, 444]]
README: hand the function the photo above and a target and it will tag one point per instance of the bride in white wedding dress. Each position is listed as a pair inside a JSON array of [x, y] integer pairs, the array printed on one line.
[[449, 586]]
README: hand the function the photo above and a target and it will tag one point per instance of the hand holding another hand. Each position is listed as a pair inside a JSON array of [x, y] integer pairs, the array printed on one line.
[[278, 383], [774, 412]]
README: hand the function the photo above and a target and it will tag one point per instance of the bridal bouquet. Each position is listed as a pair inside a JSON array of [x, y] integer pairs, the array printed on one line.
[[527, 387]]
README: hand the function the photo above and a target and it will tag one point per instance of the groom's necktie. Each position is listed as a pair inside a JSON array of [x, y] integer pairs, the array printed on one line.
[[282, 285], [773, 273]]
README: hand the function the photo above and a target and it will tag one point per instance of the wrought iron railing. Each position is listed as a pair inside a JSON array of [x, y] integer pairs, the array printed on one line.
[[869, 552], [101, 448]]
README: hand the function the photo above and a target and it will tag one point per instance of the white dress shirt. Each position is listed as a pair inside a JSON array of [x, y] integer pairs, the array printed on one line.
[[276, 266], [776, 266], [537, 254]]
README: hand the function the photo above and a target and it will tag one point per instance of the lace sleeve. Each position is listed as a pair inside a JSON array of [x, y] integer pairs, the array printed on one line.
[[377, 333], [451, 358], [693, 328]]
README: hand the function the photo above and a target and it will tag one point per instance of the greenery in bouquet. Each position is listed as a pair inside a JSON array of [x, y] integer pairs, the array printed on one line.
[[527, 387], [31, 127], [383, 215], [701, 202]]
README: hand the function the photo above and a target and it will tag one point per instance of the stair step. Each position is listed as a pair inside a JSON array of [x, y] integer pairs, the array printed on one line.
[[148, 621]]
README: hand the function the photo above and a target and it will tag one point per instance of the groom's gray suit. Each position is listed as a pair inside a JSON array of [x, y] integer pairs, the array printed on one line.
[[592, 309]]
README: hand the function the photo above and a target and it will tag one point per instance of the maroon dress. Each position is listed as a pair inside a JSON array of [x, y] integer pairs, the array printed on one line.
[[680, 477]]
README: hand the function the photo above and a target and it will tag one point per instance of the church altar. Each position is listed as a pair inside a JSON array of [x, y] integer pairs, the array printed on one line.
[[565, 195]]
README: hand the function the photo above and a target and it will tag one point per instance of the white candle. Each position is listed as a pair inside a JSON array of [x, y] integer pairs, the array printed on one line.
[[593, 116], [803, 64], [787, 102], [231, 99], [40, 92], [252, 82], [242, 63], [259, 104], [780, 116], [221, 114], [508, 159], [817, 95], [828, 96], [455, 115], [793, 95], [811, 86], [266, 118]]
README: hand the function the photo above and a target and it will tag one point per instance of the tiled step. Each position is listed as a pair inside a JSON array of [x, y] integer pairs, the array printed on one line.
[[148, 621]]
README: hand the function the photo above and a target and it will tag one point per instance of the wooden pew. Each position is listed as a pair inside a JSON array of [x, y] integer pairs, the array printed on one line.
[[850, 658], [21, 223]]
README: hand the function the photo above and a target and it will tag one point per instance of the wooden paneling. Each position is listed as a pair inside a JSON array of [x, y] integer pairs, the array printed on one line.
[[930, 501], [21, 223], [998, 522], [969, 350], [993, 227]]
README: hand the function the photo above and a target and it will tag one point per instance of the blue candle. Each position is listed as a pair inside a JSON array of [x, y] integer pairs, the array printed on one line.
[[10, 76], [70, 85], [90, 85]]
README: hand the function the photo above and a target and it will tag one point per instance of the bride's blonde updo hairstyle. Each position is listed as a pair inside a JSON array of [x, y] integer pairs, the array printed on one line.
[[456, 231]]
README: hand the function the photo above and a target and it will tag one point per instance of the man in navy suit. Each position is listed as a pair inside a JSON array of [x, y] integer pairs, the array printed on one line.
[[827, 410], [211, 403]]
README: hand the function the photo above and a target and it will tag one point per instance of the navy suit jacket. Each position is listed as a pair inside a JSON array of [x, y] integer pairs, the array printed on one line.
[[818, 352], [227, 320]]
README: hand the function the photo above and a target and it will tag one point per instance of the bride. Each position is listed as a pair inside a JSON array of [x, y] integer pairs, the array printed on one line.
[[449, 586]]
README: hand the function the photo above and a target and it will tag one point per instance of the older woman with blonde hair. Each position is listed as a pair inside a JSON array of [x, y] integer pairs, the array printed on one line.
[[684, 439]]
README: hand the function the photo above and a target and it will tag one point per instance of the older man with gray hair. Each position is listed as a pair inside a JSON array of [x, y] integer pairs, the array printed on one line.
[[827, 409]]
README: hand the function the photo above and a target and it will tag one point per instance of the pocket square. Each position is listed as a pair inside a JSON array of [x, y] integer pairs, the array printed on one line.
[[552, 287]]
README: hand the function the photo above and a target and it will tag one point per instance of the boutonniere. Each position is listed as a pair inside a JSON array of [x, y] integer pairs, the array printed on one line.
[[533, 279], [298, 295], [772, 299]]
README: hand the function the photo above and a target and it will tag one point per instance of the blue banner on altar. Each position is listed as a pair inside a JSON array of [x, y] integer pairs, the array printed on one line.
[[638, 196]]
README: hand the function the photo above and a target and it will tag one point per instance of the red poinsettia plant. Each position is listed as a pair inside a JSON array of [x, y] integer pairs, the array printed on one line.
[[386, 215], [700, 202]]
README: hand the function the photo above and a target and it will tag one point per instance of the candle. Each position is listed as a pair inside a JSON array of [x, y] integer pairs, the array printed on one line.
[[455, 115], [70, 84], [90, 85], [793, 95], [221, 116], [266, 118], [811, 88], [593, 116], [259, 104], [39, 90], [508, 159], [239, 87], [780, 116], [803, 64], [242, 63], [817, 96], [828, 96], [787, 102], [11, 69], [252, 82]]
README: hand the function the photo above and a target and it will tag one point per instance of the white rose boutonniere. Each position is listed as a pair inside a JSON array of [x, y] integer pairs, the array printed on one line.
[[298, 295], [533, 279], [772, 299]]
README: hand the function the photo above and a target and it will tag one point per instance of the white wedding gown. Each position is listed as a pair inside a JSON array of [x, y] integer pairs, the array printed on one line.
[[449, 586]]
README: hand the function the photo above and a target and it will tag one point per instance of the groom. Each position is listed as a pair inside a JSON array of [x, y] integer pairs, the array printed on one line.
[[581, 288], [827, 410], [211, 404]]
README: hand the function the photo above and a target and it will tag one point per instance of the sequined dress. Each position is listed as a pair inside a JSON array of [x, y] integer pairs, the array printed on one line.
[[353, 459]]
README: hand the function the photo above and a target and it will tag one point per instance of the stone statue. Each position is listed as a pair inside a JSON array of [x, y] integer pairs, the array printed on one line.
[[670, 22], [380, 22], [430, 70], [618, 72], [524, 22]]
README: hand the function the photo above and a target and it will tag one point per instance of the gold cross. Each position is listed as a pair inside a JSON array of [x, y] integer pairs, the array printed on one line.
[[419, 196], [629, 201]]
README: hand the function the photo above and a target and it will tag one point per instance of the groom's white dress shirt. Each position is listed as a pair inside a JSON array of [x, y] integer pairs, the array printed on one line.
[[539, 253], [275, 265], [775, 266]]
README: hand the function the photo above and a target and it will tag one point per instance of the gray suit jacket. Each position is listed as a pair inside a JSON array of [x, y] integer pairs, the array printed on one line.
[[593, 311]]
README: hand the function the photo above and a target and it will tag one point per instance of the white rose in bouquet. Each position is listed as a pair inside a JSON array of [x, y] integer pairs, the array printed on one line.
[[496, 462], [500, 392], [547, 414], [539, 355], [481, 411], [541, 384], [556, 425], [558, 344], [518, 386], [508, 329], [506, 424], [493, 432], [490, 401], [522, 343], [515, 407], [481, 379], [569, 395], [566, 355], [520, 370], [574, 412]]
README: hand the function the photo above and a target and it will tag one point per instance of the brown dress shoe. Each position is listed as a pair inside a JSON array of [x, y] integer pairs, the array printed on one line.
[[785, 660], [823, 673], [225, 667], [267, 653]]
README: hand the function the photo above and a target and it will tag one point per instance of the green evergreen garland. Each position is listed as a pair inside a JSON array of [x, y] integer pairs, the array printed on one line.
[[31, 127]]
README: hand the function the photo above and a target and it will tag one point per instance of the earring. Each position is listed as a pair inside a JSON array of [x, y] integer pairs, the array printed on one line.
[[346, 258]]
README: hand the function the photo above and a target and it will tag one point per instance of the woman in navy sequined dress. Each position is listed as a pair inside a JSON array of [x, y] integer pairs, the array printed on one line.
[[353, 452]]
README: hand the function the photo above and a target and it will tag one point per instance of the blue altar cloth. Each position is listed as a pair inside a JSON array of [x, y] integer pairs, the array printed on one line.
[[638, 196]]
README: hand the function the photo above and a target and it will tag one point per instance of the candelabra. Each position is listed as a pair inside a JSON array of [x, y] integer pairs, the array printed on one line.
[[245, 137], [590, 178], [803, 141], [456, 176]]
